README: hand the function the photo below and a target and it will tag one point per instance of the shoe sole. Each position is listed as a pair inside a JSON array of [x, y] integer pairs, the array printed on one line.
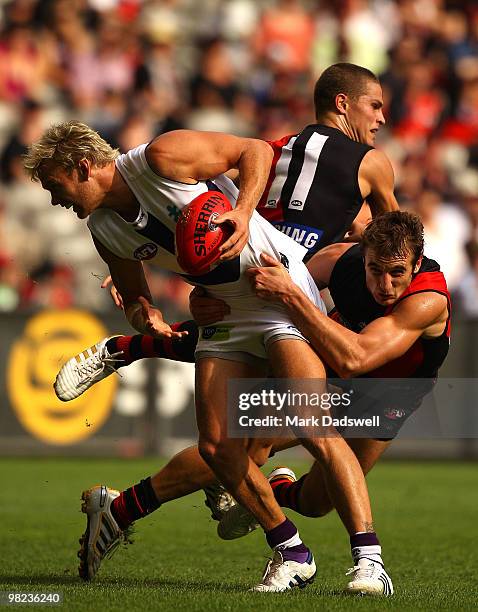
[[243, 525], [83, 541], [246, 524], [362, 592], [304, 583], [216, 512]]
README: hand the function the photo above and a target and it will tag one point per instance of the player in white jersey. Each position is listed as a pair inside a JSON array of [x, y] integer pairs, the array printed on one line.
[[151, 236], [79, 169]]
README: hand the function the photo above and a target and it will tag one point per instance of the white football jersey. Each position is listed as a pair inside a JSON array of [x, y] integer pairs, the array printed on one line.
[[152, 235]]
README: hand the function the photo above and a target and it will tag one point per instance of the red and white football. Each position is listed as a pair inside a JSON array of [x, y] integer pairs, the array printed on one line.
[[197, 237]]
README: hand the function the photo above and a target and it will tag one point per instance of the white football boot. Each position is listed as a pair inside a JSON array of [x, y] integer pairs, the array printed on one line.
[[281, 575], [218, 500], [369, 578], [239, 522], [85, 369], [102, 535]]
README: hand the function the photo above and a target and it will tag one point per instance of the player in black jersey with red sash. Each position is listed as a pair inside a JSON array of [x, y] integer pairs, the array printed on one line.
[[379, 293], [421, 360], [348, 277], [392, 320], [392, 306]]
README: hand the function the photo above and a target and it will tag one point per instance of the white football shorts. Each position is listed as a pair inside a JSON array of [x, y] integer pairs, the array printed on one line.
[[254, 323]]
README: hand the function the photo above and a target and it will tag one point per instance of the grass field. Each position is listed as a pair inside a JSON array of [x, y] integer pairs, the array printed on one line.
[[425, 515]]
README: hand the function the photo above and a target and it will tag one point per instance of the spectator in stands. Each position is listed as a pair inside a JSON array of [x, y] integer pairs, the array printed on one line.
[[138, 68]]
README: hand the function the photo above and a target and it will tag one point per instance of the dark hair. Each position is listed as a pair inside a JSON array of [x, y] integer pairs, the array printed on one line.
[[348, 79], [395, 234]]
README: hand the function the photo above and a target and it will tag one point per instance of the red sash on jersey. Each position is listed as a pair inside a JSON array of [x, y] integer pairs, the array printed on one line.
[[427, 281], [406, 365], [273, 214]]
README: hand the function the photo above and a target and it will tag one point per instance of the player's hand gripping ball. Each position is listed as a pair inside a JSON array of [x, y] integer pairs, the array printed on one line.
[[198, 238]]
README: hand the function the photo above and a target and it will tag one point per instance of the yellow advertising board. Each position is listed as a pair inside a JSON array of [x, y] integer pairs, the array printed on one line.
[[49, 339]]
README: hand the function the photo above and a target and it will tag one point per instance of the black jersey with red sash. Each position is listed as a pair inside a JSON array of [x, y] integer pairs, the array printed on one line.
[[313, 194], [356, 308]]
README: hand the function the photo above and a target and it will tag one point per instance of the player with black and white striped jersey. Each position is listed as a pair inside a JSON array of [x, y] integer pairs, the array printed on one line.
[[320, 178]]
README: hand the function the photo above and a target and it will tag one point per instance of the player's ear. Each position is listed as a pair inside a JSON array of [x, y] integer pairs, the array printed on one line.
[[84, 169], [418, 265], [341, 103]]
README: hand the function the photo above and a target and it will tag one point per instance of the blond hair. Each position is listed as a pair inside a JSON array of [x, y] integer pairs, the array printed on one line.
[[66, 144]]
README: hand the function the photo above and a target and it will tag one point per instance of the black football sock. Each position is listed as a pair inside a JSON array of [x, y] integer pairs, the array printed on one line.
[[287, 493], [134, 503], [140, 346]]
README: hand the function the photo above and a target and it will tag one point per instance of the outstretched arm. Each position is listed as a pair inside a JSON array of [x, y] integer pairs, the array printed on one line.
[[188, 156], [128, 278], [380, 342]]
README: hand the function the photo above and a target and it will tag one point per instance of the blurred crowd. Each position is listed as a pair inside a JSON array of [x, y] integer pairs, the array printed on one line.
[[133, 69]]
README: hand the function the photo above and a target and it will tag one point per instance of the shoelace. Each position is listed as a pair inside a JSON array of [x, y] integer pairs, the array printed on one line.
[[94, 366], [362, 572], [125, 538], [273, 567]]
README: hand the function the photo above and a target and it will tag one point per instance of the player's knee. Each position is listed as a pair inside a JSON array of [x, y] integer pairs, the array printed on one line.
[[207, 449], [260, 455], [215, 451], [320, 448]]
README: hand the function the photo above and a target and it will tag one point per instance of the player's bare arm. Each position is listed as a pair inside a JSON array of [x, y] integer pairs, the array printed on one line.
[[187, 156], [376, 181], [359, 224], [383, 340], [348, 353], [129, 280]]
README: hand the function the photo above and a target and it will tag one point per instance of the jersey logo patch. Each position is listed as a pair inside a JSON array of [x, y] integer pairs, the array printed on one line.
[[146, 251], [284, 261], [395, 413], [142, 220], [271, 204], [174, 212], [221, 332], [296, 204]]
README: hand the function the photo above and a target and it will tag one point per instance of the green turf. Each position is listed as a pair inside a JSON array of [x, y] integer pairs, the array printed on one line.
[[425, 514]]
